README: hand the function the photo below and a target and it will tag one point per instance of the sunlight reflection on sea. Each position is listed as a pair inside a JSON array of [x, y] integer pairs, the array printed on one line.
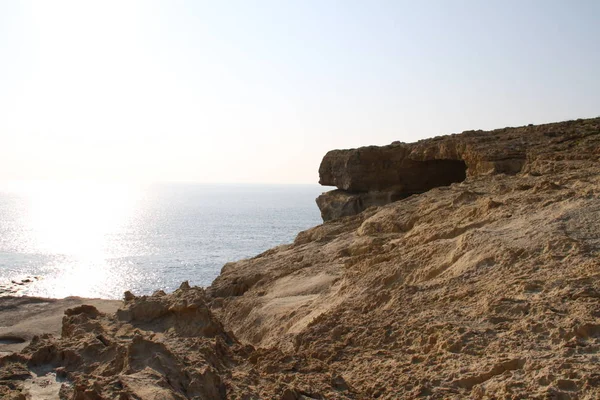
[[100, 239]]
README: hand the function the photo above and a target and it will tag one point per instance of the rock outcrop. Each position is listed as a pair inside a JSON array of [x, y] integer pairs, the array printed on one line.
[[487, 288], [374, 176], [164, 346], [342, 203]]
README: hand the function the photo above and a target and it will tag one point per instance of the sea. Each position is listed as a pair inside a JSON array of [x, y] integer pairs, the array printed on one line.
[[60, 239]]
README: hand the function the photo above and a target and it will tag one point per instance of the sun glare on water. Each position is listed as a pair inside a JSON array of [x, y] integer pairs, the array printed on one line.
[[73, 222]]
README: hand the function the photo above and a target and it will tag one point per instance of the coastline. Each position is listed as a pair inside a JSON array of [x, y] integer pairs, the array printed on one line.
[[141, 240], [486, 288], [15, 287]]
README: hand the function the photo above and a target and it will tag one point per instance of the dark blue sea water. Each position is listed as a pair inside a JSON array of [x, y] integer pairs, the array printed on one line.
[[98, 240]]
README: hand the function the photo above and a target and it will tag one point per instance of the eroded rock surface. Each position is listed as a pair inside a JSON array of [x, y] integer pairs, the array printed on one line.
[[488, 288], [402, 169], [165, 346], [341, 203]]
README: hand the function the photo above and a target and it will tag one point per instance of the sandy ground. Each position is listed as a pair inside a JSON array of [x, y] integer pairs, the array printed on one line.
[[21, 318]]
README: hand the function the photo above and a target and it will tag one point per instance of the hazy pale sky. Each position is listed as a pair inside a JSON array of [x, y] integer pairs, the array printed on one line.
[[259, 91]]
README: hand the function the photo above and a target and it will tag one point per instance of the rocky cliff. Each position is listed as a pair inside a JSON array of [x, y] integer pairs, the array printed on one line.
[[375, 176], [480, 278]]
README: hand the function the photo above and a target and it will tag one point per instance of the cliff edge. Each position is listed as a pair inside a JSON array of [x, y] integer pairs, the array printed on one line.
[[474, 274], [375, 176], [480, 281]]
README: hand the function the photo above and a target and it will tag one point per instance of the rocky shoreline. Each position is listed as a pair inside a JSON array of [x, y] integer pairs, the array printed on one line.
[[463, 266], [16, 287]]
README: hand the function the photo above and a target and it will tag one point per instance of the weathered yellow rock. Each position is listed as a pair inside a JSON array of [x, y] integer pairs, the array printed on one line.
[[487, 288]]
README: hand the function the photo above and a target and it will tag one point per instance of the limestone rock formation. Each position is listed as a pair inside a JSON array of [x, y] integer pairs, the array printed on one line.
[[399, 170], [488, 288], [341, 203], [164, 346]]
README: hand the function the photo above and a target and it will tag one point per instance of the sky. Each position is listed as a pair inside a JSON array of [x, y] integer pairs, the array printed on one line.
[[259, 91]]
